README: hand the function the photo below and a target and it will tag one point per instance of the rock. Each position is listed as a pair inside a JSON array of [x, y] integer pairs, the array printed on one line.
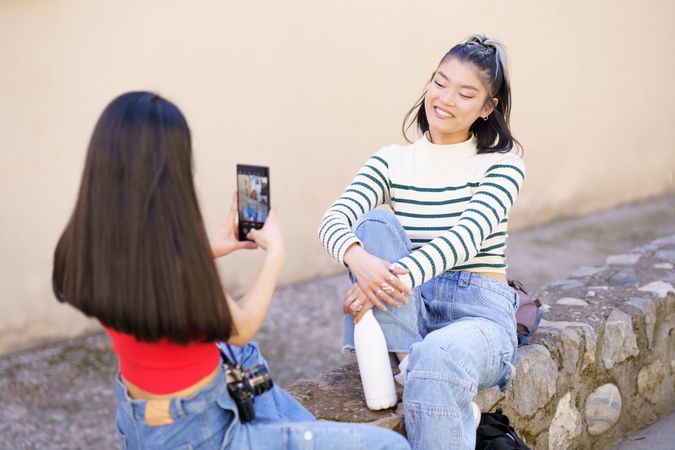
[[623, 276], [665, 241], [571, 301], [667, 327], [488, 398], [590, 338], [623, 260], [338, 396], [603, 408], [660, 288], [590, 294], [667, 266], [650, 381], [647, 307], [566, 424], [565, 284], [535, 381], [587, 271], [667, 255], [619, 341]]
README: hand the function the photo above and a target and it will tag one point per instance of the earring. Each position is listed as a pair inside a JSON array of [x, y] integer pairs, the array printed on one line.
[[486, 117]]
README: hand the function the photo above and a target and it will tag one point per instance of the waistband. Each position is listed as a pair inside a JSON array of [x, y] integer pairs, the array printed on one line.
[[215, 392], [465, 279]]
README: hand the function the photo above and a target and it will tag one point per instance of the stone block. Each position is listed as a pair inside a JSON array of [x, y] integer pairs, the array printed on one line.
[[603, 408], [571, 301], [650, 381], [488, 398], [590, 339], [623, 276], [623, 260], [660, 288], [619, 341], [666, 255], [648, 309], [535, 381], [566, 425]]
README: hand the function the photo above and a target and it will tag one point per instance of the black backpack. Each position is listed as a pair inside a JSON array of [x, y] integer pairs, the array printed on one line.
[[495, 433]]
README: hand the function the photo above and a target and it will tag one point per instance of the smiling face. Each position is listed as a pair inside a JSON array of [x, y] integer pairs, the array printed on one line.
[[456, 97]]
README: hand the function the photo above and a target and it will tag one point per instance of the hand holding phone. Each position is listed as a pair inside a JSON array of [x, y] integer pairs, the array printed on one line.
[[225, 241], [253, 196]]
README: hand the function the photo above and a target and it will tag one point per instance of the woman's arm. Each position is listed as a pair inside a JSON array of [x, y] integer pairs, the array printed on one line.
[[489, 205], [369, 189], [248, 314]]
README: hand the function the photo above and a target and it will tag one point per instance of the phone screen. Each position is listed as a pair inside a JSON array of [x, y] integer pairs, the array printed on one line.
[[253, 196]]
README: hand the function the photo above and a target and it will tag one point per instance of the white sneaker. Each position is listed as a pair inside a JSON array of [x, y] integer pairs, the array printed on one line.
[[403, 367], [476, 414]]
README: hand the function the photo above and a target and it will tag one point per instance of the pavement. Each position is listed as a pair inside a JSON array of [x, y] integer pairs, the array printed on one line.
[[60, 395]]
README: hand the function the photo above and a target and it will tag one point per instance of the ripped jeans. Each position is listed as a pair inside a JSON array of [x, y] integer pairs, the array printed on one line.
[[459, 329]]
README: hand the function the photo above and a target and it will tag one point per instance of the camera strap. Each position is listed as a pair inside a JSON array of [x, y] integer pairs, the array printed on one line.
[[231, 362]]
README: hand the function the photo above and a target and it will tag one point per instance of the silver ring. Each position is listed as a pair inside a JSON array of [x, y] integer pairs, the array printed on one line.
[[390, 278], [388, 288], [378, 291], [359, 308]]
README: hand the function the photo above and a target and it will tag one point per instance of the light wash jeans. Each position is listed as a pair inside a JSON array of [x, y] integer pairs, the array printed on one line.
[[209, 420], [459, 329]]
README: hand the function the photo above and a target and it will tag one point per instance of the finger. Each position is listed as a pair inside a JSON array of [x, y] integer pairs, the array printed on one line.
[[396, 282], [400, 296], [233, 208], [367, 307], [247, 245], [397, 270], [375, 301], [386, 297], [272, 216]]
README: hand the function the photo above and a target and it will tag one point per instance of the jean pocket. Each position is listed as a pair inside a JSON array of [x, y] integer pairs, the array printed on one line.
[[508, 370], [121, 436]]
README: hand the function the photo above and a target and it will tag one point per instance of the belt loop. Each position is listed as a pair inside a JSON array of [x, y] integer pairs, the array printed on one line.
[[464, 278], [176, 409]]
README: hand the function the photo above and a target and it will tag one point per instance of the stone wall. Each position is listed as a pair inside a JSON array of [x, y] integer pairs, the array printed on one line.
[[601, 366]]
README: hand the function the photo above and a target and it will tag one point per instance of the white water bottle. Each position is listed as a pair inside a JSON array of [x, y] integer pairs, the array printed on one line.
[[373, 359]]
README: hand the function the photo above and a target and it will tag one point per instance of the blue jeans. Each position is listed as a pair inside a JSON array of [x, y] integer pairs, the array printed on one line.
[[459, 329], [209, 420]]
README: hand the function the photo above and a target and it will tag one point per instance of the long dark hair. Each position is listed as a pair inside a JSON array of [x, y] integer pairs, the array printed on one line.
[[489, 57], [135, 254]]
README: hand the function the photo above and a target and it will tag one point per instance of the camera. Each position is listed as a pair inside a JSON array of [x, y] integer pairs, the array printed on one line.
[[245, 384]]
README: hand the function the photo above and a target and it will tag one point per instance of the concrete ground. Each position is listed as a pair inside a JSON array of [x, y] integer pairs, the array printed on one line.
[[60, 396]]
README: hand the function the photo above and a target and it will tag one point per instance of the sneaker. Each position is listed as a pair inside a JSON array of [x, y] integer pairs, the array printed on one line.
[[402, 367], [476, 414]]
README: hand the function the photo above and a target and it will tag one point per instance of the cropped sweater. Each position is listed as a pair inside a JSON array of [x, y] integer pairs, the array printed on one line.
[[452, 202]]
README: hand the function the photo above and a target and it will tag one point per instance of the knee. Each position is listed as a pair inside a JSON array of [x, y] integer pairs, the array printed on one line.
[[447, 359], [374, 218]]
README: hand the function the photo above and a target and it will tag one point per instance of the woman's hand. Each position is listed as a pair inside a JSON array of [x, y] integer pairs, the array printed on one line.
[[377, 279], [226, 239], [269, 236], [355, 303]]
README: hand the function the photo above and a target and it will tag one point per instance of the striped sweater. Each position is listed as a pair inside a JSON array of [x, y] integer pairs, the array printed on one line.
[[452, 202]]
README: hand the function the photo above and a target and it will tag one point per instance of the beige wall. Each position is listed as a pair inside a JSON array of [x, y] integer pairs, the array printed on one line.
[[312, 89]]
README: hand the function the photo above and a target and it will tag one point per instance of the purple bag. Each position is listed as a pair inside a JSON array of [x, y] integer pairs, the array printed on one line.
[[528, 314]]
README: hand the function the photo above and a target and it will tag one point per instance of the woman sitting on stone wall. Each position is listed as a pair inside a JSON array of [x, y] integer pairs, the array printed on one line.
[[439, 260]]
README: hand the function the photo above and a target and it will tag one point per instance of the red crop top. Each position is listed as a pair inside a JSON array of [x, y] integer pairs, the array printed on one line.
[[163, 367]]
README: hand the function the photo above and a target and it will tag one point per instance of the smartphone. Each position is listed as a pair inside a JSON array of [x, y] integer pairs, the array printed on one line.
[[253, 197]]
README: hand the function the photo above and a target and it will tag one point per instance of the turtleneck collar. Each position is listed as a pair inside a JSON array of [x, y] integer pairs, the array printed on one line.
[[459, 150]]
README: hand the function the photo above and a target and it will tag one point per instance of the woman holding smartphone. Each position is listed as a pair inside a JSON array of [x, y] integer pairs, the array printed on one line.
[[438, 261], [135, 255]]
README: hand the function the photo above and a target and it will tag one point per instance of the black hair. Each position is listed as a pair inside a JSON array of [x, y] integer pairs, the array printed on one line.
[[489, 57], [135, 254]]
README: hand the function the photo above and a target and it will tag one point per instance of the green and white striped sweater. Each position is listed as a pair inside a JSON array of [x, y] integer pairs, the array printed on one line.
[[452, 202]]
